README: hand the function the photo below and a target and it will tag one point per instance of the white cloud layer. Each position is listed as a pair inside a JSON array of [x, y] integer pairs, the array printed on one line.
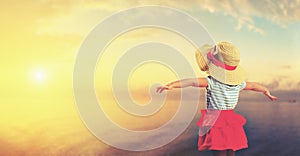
[[281, 12]]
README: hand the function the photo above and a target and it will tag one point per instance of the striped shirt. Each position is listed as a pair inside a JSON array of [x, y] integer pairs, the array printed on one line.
[[221, 96]]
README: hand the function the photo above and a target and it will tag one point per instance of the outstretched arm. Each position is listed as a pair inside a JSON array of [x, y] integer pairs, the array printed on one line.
[[199, 82], [259, 88]]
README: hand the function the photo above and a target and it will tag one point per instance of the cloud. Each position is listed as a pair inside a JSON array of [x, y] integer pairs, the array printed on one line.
[[245, 12], [84, 14], [280, 12], [282, 83], [285, 67], [298, 85], [273, 85]]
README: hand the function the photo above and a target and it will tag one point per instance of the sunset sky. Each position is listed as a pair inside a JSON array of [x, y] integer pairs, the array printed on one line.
[[40, 41]]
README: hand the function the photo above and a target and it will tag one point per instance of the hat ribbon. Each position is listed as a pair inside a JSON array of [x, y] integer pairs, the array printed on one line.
[[218, 63]]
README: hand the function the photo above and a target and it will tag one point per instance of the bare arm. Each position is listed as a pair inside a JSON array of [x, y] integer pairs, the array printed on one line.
[[259, 88], [199, 82]]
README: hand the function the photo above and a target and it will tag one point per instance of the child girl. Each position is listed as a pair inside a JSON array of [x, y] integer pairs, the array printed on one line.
[[220, 128]]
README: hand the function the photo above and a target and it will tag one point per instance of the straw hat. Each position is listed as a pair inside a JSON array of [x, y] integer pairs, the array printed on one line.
[[221, 62]]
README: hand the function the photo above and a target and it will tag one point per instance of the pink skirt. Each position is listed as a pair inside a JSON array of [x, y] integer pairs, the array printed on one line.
[[221, 130]]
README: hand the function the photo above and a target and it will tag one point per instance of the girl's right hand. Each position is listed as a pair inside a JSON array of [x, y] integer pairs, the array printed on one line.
[[162, 88]]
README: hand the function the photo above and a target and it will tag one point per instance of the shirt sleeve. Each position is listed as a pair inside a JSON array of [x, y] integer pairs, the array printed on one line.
[[242, 85], [209, 82]]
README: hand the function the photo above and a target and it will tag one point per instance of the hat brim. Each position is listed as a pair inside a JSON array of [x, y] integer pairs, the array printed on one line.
[[231, 77], [201, 60]]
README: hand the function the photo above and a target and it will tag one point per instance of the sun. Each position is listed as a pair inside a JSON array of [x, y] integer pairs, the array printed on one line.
[[39, 76]]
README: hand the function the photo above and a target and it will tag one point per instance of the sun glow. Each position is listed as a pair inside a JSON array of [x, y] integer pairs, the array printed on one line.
[[39, 76]]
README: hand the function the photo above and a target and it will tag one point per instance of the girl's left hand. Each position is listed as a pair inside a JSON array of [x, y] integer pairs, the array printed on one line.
[[162, 88], [271, 97]]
